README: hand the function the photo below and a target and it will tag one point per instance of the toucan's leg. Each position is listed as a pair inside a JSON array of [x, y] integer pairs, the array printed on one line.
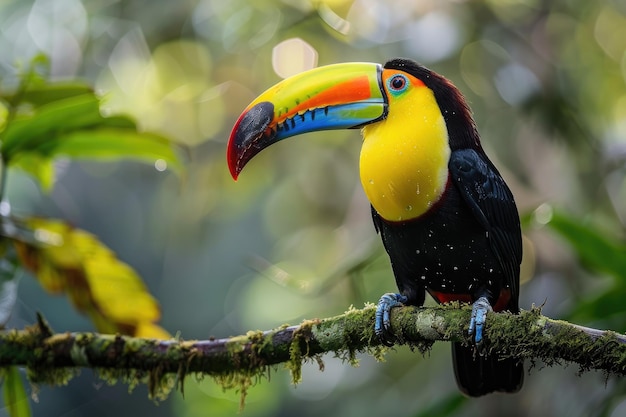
[[477, 322], [382, 326]]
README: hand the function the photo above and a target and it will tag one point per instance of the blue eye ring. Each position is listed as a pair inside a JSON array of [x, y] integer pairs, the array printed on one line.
[[397, 84]]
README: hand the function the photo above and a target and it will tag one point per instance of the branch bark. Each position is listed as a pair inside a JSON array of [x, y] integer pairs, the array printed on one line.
[[237, 361]]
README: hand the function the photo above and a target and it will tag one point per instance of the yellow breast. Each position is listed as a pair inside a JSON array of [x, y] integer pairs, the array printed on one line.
[[404, 158]]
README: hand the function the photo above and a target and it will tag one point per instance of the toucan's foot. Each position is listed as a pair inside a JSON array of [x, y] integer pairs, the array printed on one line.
[[477, 322], [382, 326]]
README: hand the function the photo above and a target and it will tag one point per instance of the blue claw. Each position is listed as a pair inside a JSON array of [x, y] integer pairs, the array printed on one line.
[[477, 322], [382, 325]]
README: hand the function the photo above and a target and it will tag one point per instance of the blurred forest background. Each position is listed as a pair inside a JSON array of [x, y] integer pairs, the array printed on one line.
[[293, 238]]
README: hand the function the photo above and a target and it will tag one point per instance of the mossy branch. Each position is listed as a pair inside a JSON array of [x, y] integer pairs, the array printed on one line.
[[237, 361]]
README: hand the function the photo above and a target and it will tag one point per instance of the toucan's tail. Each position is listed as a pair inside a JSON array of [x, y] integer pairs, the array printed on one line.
[[481, 375]]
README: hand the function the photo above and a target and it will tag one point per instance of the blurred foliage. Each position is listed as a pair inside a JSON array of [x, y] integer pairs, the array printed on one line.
[[72, 261], [293, 238], [600, 252], [41, 122]]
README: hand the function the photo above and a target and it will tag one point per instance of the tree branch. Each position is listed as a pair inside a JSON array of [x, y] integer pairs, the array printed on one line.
[[238, 361]]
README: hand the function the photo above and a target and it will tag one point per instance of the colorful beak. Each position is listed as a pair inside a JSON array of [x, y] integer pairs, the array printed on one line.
[[340, 96]]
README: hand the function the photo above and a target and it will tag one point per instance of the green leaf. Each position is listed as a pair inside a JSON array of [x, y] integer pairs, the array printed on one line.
[[597, 251], [111, 143], [41, 94], [27, 132], [15, 398], [4, 115], [40, 121], [73, 127], [608, 307]]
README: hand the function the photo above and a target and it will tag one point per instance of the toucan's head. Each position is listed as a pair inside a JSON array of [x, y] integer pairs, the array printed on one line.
[[412, 118]]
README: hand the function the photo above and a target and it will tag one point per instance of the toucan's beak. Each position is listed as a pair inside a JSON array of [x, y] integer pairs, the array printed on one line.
[[340, 96]]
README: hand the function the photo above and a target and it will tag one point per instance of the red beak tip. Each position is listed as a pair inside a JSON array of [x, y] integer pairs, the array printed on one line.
[[231, 157], [234, 172]]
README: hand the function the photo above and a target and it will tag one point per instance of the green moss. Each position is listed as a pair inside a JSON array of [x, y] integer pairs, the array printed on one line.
[[534, 336], [160, 384], [247, 366], [51, 376], [294, 365], [301, 337], [241, 381], [378, 352]]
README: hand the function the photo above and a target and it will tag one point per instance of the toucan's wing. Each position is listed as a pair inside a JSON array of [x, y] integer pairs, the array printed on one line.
[[492, 204]]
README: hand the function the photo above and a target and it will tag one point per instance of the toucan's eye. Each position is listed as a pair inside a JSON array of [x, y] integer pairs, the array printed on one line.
[[397, 84]]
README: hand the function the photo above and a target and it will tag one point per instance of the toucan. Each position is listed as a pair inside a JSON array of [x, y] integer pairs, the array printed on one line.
[[447, 219]]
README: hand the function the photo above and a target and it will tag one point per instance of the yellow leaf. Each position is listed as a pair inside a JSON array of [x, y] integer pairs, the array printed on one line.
[[151, 331], [72, 261]]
